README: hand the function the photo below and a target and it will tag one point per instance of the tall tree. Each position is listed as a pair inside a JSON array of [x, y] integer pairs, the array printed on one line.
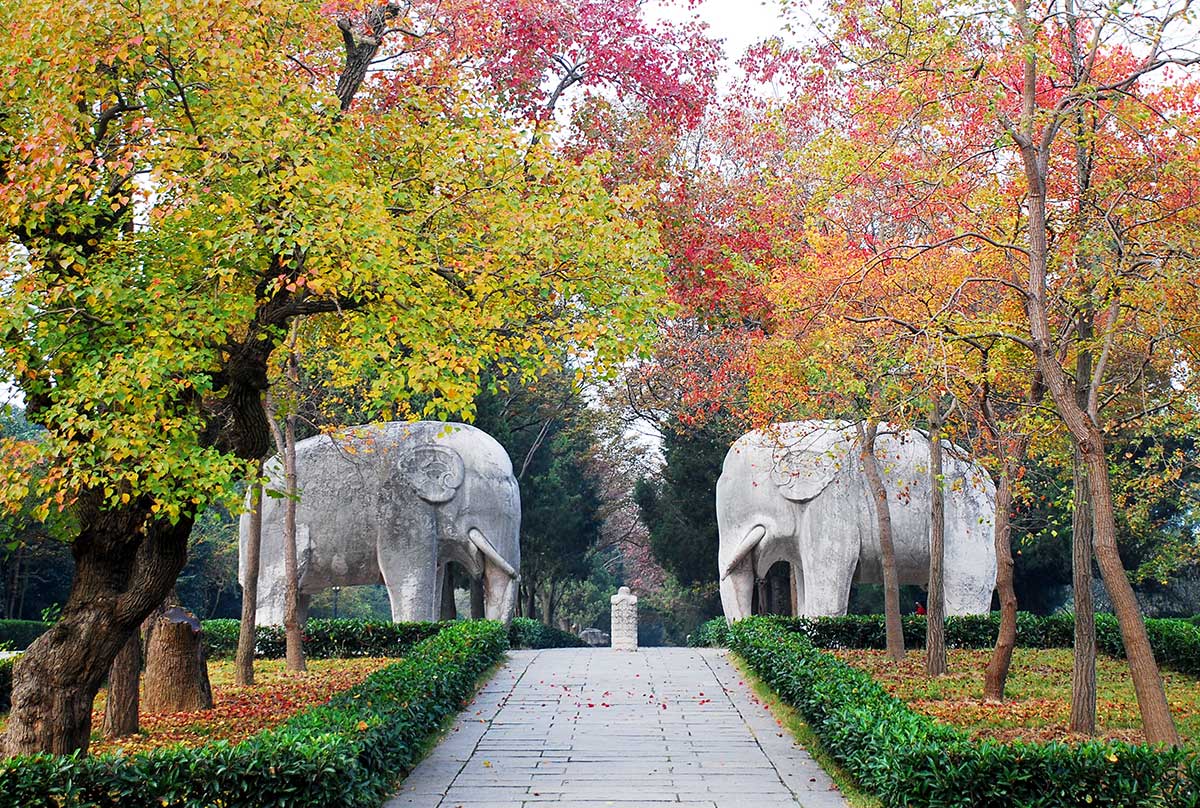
[[676, 503], [546, 428], [287, 181]]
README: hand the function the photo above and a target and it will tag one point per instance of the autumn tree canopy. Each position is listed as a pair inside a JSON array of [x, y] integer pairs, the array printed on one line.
[[178, 182]]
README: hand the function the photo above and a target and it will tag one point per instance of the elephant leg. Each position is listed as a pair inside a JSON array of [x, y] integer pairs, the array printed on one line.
[[499, 593], [797, 588], [827, 592], [967, 588], [407, 554], [827, 570], [970, 560], [447, 609], [272, 595], [737, 591], [477, 598]]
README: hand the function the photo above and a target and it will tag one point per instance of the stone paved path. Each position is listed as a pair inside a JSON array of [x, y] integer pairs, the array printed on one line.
[[590, 728]]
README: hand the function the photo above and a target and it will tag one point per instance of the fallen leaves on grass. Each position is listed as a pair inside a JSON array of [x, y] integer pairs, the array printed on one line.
[[1039, 692], [240, 712]]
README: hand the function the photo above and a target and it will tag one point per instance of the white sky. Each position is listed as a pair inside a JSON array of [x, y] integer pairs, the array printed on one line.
[[737, 23], [740, 23]]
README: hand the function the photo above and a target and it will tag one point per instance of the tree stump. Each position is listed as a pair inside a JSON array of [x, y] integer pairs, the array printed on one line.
[[176, 668]]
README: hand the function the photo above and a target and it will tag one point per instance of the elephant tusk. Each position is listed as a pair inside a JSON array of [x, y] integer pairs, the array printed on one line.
[[756, 535], [489, 552]]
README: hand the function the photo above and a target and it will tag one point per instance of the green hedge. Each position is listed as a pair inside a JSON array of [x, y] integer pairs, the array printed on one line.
[[346, 753], [20, 633], [711, 634], [527, 633], [323, 639], [1176, 642], [907, 759], [6, 673]]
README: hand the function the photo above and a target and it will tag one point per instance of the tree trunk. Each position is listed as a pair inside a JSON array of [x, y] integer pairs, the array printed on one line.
[[1083, 674], [887, 550], [244, 660], [291, 562], [125, 564], [935, 619], [124, 677], [1157, 723], [996, 675], [176, 668], [549, 604], [530, 603]]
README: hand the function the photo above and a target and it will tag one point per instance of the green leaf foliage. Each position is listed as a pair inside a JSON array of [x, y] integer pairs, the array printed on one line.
[[527, 633], [677, 505], [323, 639], [20, 633]]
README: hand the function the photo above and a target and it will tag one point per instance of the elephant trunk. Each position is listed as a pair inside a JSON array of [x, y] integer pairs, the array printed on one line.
[[480, 542], [752, 540]]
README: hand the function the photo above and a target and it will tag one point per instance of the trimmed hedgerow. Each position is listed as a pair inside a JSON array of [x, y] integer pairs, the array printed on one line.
[[527, 633], [19, 634], [711, 634], [323, 639], [6, 674], [1176, 642], [347, 753], [907, 759]]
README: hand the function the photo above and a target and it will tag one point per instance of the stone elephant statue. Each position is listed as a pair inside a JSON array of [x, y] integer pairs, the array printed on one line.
[[394, 503], [796, 492]]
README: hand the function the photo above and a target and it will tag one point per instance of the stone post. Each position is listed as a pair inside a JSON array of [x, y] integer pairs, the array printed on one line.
[[624, 620]]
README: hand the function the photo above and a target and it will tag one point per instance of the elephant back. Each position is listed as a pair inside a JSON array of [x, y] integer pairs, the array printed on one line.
[[474, 448], [796, 460]]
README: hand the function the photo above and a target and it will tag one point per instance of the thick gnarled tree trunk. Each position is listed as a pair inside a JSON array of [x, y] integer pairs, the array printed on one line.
[[121, 575], [887, 548]]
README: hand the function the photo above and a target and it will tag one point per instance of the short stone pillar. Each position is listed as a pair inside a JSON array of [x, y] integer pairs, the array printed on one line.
[[624, 620]]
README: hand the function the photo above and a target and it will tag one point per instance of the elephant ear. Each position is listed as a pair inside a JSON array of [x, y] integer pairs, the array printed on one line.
[[434, 472], [802, 474]]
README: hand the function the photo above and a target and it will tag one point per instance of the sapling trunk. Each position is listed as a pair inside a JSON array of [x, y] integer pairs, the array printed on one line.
[[935, 618], [244, 660], [891, 580]]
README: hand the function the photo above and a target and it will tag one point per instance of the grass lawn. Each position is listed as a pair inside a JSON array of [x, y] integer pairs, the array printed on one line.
[[1037, 706], [239, 712]]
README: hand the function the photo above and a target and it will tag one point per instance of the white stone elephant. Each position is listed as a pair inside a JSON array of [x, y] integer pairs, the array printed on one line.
[[394, 503], [796, 492]]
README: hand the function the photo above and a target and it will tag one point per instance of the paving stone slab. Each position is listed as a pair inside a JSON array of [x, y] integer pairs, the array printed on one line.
[[593, 728]]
